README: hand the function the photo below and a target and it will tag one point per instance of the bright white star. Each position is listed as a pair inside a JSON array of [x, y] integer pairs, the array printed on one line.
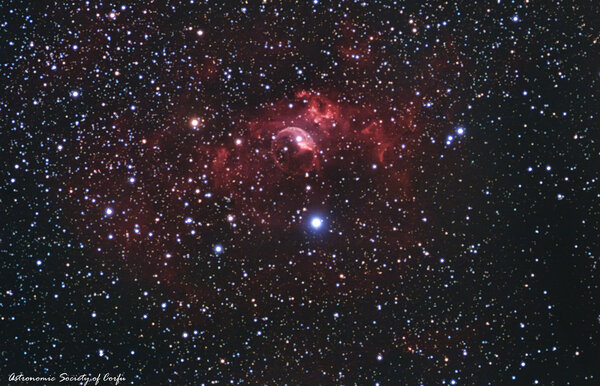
[[316, 222]]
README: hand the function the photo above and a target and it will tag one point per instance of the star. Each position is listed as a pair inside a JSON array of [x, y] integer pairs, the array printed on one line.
[[316, 222]]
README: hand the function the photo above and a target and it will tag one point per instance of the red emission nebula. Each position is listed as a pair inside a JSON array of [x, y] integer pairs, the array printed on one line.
[[251, 195], [336, 136]]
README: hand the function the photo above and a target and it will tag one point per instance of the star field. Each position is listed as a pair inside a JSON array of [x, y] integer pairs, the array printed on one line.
[[301, 193]]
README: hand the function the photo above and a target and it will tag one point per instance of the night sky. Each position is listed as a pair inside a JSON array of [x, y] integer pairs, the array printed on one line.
[[301, 193]]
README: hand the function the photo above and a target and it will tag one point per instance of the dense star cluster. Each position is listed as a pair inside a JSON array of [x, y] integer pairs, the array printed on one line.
[[302, 193]]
